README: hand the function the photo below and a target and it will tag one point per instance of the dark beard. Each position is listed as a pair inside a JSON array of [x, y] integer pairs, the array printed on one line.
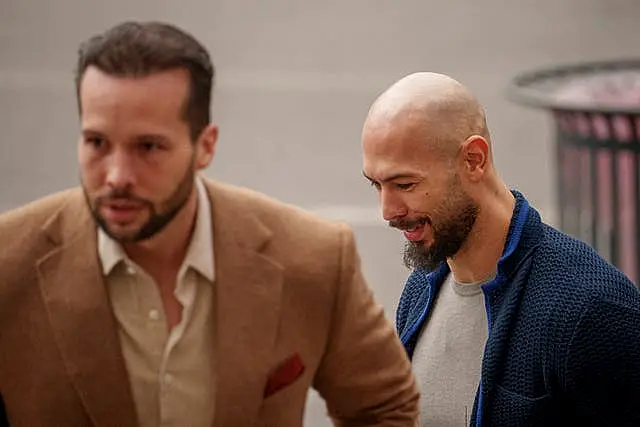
[[157, 220], [448, 238]]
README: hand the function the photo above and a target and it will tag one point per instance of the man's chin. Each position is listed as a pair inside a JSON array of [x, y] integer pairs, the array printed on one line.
[[420, 245], [420, 255], [125, 237], [122, 234]]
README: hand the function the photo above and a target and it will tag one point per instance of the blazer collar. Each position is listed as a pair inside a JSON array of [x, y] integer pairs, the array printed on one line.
[[248, 288], [82, 321], [248, 298]]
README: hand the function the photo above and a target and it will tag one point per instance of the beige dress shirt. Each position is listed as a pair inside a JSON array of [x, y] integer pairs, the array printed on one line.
[[171, 372]]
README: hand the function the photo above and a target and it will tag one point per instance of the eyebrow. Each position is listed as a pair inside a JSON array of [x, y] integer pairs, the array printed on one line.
[[137, 138], [151, 136], [91, 133], [391, 177]]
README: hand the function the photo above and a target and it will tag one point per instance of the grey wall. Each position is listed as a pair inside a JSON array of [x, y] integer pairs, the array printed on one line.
[[295, 79]]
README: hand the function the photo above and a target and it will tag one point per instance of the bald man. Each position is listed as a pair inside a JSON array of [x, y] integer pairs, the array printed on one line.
[[507, 321]]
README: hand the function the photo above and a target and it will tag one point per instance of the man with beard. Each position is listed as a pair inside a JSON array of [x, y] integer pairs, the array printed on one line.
[[507, 321], [191, 303]]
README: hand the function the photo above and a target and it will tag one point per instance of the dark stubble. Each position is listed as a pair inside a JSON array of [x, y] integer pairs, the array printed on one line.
[[159, 217], [451, 223]]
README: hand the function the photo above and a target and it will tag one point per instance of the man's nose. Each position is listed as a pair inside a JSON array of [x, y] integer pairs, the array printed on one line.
[[121, 171], [392, 206]]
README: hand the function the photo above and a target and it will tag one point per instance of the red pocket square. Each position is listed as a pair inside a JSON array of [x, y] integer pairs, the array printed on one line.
[[286, 373]]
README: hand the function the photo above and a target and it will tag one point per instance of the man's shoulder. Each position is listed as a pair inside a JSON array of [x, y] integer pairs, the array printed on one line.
[[568, 265], [35, 214], [276, 214], [571, 254], [23, 229], [308, 246]]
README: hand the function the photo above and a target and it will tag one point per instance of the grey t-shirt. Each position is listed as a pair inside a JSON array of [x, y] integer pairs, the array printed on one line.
[[448, 355]]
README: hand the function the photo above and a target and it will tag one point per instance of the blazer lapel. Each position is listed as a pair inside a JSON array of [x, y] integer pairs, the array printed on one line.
[[82, 321], [248, 297]]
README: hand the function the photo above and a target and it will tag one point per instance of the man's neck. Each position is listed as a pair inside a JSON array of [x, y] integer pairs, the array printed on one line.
[[167, 249], [478, 258]]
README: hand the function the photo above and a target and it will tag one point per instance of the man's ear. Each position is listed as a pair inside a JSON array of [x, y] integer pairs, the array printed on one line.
[[475, 157], [206, 146]]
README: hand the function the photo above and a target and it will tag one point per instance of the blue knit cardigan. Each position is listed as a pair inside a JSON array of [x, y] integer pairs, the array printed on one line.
[[564, 332]]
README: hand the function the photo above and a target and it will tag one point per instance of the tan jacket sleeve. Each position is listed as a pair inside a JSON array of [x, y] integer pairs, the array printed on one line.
[[365, 376]]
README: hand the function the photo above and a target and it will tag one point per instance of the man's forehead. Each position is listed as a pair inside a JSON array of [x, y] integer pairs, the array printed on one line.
[[380, 168], [395, 142]]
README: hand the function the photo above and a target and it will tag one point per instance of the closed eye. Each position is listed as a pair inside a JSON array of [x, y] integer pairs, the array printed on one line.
[[405, 186]]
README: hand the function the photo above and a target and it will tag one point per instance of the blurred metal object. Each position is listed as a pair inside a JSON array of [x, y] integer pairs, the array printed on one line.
[[596, 111]]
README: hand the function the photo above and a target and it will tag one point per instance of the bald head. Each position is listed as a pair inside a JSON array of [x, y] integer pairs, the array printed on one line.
[[426, 150], [438, 110]]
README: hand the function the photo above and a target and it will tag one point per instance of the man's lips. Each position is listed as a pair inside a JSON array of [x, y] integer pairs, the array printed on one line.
[[123, 205], [121, 211], [414, 234], [413, 230]]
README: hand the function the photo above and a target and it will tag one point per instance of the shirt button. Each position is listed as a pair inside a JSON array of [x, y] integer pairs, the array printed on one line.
[[154, 314], [131, 269], [167, 379]]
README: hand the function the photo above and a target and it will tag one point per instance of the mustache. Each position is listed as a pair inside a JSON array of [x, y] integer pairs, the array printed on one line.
[[407, 224], [121, 195]]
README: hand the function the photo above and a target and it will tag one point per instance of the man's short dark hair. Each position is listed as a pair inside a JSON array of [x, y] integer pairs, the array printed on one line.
[[137, 49]]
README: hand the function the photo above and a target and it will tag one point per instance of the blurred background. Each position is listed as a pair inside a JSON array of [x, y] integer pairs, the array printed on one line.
[[294, 82]]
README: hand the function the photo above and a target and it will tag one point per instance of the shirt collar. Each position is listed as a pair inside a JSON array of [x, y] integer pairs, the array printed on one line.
[[199, 256]]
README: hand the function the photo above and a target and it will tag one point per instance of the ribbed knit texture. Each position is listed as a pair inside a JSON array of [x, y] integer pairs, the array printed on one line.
[[564, 332]]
